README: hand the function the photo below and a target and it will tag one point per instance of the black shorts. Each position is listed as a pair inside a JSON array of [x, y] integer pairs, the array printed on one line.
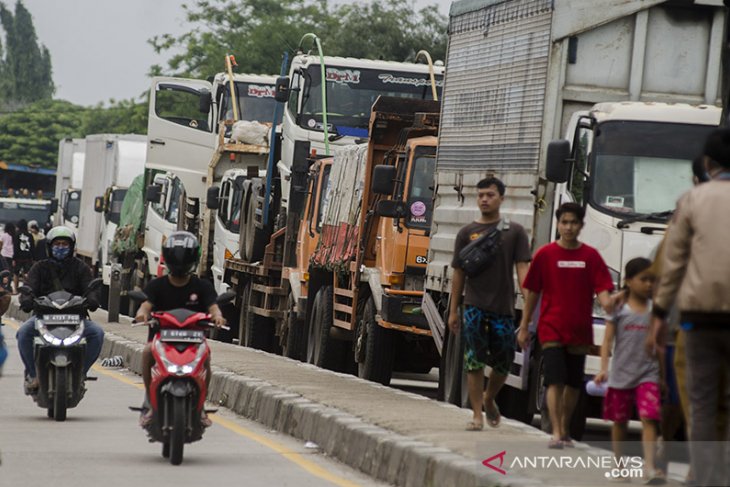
[[563, 368]]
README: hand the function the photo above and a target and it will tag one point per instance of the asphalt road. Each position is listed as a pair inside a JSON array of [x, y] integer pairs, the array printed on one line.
[[100, 444]]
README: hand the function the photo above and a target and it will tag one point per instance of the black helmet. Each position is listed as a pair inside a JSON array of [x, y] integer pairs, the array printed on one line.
[[181, 253]]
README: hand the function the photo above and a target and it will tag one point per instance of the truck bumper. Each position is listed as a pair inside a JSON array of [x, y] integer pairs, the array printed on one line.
[[404, 313]]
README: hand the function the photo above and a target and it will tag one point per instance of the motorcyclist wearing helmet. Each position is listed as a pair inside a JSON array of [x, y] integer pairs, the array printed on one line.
[[180, 288], [60, 271]]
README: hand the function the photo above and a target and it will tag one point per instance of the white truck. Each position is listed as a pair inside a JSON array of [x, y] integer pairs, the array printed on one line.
[[69, 178], [634, 86], [190, 126], [112, 162]]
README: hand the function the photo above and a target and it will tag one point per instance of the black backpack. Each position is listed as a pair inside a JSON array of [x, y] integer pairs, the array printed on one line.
[[479, 254]]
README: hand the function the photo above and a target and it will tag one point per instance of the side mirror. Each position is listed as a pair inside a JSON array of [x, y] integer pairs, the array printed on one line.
[[557, 169], [391, 209], [225, 298], [153, 193], [211, 200], [204, 101], [93, 286], [99, 204], [54, 205], [25, 290], [138, 296], [383, 179], [282, 89]]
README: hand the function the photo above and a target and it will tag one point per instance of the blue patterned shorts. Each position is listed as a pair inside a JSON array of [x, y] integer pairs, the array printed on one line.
[[489, 339]]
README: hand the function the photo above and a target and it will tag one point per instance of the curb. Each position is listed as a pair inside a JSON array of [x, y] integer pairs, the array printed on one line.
[[377, 452], [382, 454]]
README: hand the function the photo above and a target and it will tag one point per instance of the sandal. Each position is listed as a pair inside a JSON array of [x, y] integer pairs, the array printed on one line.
[[555, 444], [474, 426], [145, 418], [567, 442], [205, 420], [493, 416]]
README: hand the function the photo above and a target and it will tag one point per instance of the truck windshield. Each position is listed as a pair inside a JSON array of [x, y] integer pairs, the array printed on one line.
[[352, 92], [73, 206], [115, 205], [12, 210], [255, 103], [234, 222], [643, 167], [420, 193]]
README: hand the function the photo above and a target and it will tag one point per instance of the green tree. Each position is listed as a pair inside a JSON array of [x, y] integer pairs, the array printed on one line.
[[389, 30], [30, 135], [26, 72], [258, 31]]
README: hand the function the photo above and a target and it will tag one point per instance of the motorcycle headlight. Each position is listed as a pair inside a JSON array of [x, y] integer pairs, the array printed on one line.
[[176, 369], [75, 336], [46, 334]]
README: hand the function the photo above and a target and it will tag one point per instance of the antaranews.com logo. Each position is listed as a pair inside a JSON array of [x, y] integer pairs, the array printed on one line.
[[623, 467]]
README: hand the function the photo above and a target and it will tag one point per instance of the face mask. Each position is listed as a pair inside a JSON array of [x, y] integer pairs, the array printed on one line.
[[60, 253]]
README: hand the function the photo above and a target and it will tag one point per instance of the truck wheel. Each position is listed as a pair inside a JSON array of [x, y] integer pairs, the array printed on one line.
[[295, 342], [452, 378], [323, 350], [379, 343], [259, 331]]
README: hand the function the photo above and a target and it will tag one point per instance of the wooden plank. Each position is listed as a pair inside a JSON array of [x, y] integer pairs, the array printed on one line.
[[275, 290], [343, 308], [268, 313], [348, 293], [342, 324]]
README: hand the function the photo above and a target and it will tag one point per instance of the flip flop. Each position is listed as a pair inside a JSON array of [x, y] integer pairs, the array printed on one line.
[[493, 416], [568, 442], [555, 444], [473, 426]]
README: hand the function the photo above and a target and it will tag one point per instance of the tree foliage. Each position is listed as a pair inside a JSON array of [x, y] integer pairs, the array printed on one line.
[[258, 31], [30, 135], [25, 69]]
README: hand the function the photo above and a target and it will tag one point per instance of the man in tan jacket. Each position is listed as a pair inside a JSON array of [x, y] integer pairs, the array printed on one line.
[[696, 269]]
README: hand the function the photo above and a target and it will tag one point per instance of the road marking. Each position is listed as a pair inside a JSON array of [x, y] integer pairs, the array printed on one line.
[[297, 458]]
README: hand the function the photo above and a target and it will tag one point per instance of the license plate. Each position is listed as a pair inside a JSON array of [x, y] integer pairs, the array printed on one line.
[[61, 319], [188, 336]]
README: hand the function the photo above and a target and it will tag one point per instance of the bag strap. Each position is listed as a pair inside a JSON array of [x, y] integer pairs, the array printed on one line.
[[503, 225]]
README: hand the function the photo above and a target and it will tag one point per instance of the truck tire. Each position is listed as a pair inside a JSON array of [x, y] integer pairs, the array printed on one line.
[[323, 350], [294, 344], [452, 378], [254, 239], [258, 331], [379, 354]]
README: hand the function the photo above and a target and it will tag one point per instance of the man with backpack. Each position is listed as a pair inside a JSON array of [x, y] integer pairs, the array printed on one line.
[[485, 253]]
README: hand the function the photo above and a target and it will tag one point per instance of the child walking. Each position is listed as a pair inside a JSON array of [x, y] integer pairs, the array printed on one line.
[[635, 376]]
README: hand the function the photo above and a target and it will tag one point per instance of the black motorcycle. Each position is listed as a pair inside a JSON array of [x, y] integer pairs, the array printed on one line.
[[59, 348]]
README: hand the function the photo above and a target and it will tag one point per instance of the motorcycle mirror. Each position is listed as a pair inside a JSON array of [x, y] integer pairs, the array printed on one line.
[[225, 298], [25, 290], [137, 296]]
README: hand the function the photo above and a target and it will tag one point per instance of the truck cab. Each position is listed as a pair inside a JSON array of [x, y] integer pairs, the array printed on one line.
[[70, 206], [352, 86], [185, 128]]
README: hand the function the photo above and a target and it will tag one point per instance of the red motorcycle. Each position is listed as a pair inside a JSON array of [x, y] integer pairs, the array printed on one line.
[[178, 389]]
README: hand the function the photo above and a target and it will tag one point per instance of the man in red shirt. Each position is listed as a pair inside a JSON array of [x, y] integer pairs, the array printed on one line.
[[566, 273]]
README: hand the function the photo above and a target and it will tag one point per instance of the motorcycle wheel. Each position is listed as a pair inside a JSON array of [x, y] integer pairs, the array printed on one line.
[[59, 395], [177, 433]]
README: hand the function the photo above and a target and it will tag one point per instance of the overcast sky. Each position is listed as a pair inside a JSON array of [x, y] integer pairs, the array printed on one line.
[[99, 48]]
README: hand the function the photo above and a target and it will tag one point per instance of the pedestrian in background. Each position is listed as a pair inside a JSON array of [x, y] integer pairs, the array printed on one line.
[[566, 274], [695, 273], [634, 377], [23, 252], [488, 328], [39, 241], [7, 247]]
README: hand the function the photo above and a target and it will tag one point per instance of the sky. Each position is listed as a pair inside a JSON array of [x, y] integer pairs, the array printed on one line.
[[99, 48]]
